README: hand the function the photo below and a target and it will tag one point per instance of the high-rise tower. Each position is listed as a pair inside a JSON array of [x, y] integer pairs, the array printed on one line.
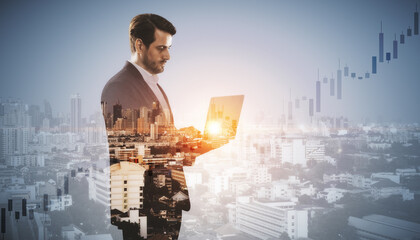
[[76, 113]]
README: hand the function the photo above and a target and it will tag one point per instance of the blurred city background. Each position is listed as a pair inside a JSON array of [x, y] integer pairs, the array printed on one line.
[[327, 145]]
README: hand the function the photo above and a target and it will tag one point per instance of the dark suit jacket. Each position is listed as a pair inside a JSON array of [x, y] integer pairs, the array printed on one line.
[[129, 89]]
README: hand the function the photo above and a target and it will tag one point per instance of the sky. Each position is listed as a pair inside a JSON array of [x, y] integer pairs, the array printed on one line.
[[267, 50]]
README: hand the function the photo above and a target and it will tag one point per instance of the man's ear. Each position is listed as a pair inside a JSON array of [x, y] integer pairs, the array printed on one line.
[[139, 45]]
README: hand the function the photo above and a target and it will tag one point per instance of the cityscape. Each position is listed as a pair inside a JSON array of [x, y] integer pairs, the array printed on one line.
[[332, 180], [147, 182], [326, 146]]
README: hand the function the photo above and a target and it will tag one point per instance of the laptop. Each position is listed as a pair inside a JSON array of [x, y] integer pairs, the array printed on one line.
[[223, 118]]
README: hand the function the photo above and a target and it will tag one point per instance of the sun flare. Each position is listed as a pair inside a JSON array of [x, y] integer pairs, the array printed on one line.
[[214, 128]]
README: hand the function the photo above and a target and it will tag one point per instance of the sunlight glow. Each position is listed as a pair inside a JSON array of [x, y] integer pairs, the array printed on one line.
[[214, 128]]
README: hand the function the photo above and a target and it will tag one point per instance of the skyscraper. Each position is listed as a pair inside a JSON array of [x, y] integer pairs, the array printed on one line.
[[47, 110], [116, 112], [76, 113], [36, 116]]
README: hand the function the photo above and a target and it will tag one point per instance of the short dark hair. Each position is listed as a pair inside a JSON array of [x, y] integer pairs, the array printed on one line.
[[143, 26]]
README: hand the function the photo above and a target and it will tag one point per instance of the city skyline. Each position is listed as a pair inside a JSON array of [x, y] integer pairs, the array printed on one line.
[[353, 40], [327, 145], [68, 181]]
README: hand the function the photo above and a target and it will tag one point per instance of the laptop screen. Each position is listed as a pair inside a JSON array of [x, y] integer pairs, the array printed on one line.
[[223, 117]]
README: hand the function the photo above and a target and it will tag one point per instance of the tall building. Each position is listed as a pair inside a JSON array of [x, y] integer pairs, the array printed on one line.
[[13, 141], [47, 110], [293, 150], [315, 150], [95, 134], [36, 116], [378, 227], [261, 175], [127, 182], [116, 112], [99, 186], [275, 148], [268, 220], [124, 192], [142, 126], [13, 114], [131, 116], [154, 131], [218, 183], [75, 113]]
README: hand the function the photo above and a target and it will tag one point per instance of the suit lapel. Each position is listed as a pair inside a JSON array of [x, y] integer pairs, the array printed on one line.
[[138, 77], [167, 102], [139, 81]]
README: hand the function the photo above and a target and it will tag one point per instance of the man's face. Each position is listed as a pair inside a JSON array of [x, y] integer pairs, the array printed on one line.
[[157, 54]]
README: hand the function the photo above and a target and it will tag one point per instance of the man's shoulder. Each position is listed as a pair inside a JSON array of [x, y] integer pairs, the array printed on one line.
[[121, 81], [127, 73], [127, 88]]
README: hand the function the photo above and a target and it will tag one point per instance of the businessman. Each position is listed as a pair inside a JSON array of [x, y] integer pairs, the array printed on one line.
[[147, 184]]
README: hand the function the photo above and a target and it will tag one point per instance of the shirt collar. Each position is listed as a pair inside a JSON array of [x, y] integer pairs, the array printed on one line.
[[148, 77]]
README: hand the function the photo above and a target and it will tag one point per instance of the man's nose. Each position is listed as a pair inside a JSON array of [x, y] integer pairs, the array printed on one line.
[[166, 55]]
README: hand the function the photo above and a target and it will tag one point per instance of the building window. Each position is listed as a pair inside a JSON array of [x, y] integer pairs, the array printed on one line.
[[125, 206], [125, 194], [141, 194], [125, 189], [125, 181], [141, 188]]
